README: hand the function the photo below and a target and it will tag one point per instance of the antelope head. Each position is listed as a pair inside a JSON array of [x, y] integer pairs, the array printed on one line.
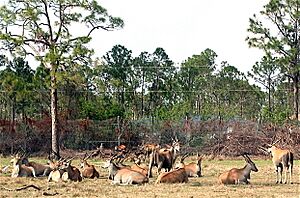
[[83, 161], [250, 162], [176, 145]]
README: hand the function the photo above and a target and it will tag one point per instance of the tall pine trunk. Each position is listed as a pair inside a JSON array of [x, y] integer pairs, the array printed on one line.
[[296, 95], [54, 123]]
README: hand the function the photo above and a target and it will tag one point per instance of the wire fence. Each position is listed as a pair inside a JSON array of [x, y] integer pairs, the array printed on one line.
[[211, 137]]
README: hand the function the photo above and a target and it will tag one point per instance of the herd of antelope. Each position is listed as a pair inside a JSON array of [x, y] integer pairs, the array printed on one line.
[[156, 155]]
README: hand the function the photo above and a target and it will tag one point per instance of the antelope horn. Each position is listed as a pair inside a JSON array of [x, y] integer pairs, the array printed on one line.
[[89, 155], [70, 159], [113, 157], [262, 148], [245, 157], [275, 142], [184, 156], [49, 158], [84, 157], [56, 154]]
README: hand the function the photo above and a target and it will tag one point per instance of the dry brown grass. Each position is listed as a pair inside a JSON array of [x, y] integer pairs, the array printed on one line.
[[262, 184]]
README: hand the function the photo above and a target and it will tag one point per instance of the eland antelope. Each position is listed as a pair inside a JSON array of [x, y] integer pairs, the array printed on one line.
[[238, 176]]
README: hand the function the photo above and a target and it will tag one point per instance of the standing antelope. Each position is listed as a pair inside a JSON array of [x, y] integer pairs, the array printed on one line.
[[163, 158], [192, 169], [124, 175], [88, 171], [19, 169], [237, 176], [282, 159], [174, 176]]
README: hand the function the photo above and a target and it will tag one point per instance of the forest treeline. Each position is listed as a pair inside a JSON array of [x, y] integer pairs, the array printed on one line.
[[149, 85]]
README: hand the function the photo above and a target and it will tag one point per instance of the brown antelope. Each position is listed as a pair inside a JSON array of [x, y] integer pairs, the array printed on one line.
[[238, 176], [124, 176], [21, 170], [120, 148], [87, 170], [163, 158], [174, 176], [40, 169], [282, 160], [71, 172], [192, 169]]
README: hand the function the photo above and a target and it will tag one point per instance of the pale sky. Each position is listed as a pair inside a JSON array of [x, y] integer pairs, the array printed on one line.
[[184, 28]]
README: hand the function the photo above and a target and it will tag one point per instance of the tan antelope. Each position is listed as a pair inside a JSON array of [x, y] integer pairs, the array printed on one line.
[[238, 175], [64, 171], [40, 169], [19, 169], [282, 160], [124, 176], [87, 170], [192, 169], [149, 148], [174, 176], [56, 173], [163, 158], [137, 167]]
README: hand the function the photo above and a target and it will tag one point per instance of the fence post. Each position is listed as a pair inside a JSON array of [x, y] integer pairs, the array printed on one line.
[[187, 130], [119, 129]]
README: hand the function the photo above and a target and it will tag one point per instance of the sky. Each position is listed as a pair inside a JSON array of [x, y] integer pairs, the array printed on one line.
[[184, 28]]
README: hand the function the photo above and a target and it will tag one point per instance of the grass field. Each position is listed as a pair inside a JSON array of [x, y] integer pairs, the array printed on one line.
[[262, 184]]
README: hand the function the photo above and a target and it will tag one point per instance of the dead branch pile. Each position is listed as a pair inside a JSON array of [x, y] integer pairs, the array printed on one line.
[[234, 138]]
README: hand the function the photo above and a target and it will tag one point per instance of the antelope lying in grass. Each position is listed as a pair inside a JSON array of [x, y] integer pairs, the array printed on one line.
[[163, 158], [56, 173], [71, 172], [192, 169], [124, 176], [40, 169], [137, 167], [282, 160], [21, 170], [64, 171], [175, 176], [238, 176], [88, 171]]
